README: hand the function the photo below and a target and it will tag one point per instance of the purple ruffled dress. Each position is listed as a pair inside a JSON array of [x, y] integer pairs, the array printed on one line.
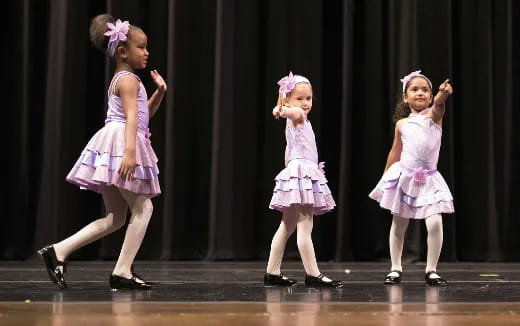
[[412, 187], [100, 160], [302, 181]]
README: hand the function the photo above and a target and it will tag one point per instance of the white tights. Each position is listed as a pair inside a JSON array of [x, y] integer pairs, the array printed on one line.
[[435, 236], [295, 217], [116, 202]]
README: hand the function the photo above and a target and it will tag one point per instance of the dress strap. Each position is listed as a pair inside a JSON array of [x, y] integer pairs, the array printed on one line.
[[115, 79]]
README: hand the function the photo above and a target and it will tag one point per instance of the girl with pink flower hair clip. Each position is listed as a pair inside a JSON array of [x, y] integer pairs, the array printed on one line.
[[301, 189], [118, 161], [411, 186]]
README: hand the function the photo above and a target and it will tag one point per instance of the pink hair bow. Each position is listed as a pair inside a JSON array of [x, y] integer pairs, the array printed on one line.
[[419, 175], [287, 84], [411, 75], [117, 33]]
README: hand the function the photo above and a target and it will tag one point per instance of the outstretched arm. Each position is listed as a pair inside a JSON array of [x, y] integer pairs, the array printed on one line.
[[439, 106], [294, 113], [397, 146], [155, 100]]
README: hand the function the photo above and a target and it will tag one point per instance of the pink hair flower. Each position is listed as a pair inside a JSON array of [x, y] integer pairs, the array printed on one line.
[[287, 84], [117, 33], [419, 175]]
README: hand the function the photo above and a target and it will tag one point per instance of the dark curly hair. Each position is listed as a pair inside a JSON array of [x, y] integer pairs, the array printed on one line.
[[402, 110]]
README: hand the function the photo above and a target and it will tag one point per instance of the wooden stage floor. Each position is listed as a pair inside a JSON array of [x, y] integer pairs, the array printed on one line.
[[232, 293]]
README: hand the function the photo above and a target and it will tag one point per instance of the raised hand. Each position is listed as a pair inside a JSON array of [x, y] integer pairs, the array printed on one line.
[[276, 111], [445, 90], [159, 81]]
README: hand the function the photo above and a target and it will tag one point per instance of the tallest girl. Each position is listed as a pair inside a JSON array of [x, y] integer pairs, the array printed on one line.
[[118, 161]]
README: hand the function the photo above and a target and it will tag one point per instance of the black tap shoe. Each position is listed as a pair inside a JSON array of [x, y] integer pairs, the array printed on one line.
[[278, 280], [133, 283], [52, 264], [390, 279], [437, 281], [318, 281]]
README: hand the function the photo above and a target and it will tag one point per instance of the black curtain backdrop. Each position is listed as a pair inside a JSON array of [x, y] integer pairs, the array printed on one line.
[[218, 145]]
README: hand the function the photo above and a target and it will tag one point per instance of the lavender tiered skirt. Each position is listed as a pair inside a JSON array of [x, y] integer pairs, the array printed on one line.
[[99, 162], [409, 194], [302, 182]]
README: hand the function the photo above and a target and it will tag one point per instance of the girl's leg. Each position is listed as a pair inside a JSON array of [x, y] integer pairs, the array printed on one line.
[[286, 228], [435, 237], [116, 209], [141, 208], [304, 227], [396, 239], [304, 240]]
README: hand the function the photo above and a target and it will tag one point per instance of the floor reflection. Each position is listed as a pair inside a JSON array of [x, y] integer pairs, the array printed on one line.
[[308, 310], [397, 310]]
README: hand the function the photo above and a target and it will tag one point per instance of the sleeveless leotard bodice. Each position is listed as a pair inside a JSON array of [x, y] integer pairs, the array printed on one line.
[[412, 187], [303, 181], [98, 164], [115, 110], [301, 142]]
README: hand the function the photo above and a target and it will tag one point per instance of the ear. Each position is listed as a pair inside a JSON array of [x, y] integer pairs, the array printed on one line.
[[405, 98], [121, 50]]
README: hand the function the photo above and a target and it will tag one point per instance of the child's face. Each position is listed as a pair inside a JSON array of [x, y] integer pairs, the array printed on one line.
[[137, 52], [418, 94], [301, 96]]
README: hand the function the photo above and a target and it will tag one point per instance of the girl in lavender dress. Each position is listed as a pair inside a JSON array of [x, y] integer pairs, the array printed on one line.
[[411, 186], [301, 189], [118, 161]]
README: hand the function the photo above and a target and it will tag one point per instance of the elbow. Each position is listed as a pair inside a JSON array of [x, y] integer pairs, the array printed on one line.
[[296, 115]]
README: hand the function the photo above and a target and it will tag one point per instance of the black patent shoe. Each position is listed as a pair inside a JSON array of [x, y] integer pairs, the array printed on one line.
[[317, 281], [133, 283], [278, 280], [437, 281], [55, 268], [390, 279]]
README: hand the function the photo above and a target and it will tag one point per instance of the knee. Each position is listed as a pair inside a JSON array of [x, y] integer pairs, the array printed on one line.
[[435, 227], [287, 228], [115, 220], [400, 231], [143, 212], [147, 208], [143, 208], [399, 228], [303, 239], [106, 224], [434, 224], [283, 233], [119, 221], [290, 231]]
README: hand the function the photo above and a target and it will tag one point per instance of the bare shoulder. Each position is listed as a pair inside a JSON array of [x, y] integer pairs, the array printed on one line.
[[128, 81], [127, 84], [399, 123]]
